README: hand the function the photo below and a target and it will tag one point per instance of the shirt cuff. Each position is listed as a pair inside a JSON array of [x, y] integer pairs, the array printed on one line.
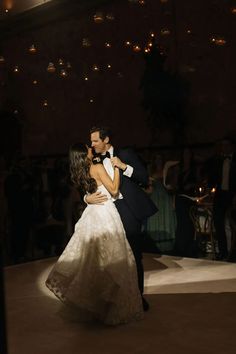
[[128, 171]]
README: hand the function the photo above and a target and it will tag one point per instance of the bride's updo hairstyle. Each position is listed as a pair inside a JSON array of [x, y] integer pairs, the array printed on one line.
[[79, 168]]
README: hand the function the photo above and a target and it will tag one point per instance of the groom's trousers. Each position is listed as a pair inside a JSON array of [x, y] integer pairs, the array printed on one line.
[[132, 228]]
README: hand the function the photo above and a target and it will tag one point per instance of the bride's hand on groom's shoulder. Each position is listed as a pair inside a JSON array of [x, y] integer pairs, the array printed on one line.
[[96, 198]]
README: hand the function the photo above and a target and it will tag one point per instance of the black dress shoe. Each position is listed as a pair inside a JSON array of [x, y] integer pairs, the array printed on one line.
[[145, 304]]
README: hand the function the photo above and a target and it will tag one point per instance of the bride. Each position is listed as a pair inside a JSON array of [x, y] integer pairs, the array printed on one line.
[[96, 273]]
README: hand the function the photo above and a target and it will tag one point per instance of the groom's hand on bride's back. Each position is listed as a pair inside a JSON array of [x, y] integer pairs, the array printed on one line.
[[96, 198]]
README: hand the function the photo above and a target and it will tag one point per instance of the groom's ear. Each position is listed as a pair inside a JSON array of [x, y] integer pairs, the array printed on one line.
[[106, 140]]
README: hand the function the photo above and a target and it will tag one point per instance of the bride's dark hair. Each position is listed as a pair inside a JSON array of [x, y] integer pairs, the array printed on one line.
[[79, 168]]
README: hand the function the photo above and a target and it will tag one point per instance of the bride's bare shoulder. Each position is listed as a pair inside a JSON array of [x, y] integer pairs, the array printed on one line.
[[95, 169]]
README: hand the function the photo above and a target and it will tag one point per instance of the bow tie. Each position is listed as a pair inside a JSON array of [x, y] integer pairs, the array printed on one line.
[[106, 155]]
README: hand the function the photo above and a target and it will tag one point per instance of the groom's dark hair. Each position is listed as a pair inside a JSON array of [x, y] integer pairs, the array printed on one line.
[[103, 132]]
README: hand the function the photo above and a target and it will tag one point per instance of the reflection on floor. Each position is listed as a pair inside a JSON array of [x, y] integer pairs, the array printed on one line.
[[191, 297], [188, 275]]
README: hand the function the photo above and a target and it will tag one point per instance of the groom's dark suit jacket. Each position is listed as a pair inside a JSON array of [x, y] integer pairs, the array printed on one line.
[[134, 196]]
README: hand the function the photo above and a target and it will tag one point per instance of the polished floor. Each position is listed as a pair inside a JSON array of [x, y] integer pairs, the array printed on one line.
[[192, 310]]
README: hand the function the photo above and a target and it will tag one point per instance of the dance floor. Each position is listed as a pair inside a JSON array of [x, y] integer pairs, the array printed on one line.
[[192, 310]]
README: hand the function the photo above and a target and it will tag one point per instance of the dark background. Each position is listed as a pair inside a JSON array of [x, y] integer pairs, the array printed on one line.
[[114, 95]]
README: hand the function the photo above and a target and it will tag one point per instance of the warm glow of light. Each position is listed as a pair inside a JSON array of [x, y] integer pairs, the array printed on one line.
[[63, 73], [86, 78], [16, 69], [136, 48], [91, 100], [213, 190], [220, 41], [35, 82], [98, 17], [45, 103], [165, 31], [51, 68], [86, 42], [7, 5], [147, 50], [32, 49], [127, 43], [61, 62], [2, 59], [109, 66], [189, 31], [108, 45], [233, 10], [18, 6], [110, 17], [95, 67]]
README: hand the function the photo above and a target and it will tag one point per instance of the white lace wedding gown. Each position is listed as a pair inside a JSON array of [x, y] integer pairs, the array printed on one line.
[[97, 271]]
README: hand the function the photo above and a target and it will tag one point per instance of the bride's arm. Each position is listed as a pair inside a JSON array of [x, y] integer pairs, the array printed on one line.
[[111, 185]]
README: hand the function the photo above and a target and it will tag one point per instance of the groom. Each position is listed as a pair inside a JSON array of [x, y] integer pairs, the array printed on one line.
[[132, 203]]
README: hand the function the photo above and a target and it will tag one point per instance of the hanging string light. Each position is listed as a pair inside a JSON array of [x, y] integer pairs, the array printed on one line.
[[128, 43], [219, 41], [51, 68], [110, 17], [98, 17], [86, 42], [63, 73], [16, 69], [136, 48], [95, 67], [165, 31], [32, 49]]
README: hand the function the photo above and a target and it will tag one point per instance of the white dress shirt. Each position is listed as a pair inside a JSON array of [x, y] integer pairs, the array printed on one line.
[[110, 170]]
